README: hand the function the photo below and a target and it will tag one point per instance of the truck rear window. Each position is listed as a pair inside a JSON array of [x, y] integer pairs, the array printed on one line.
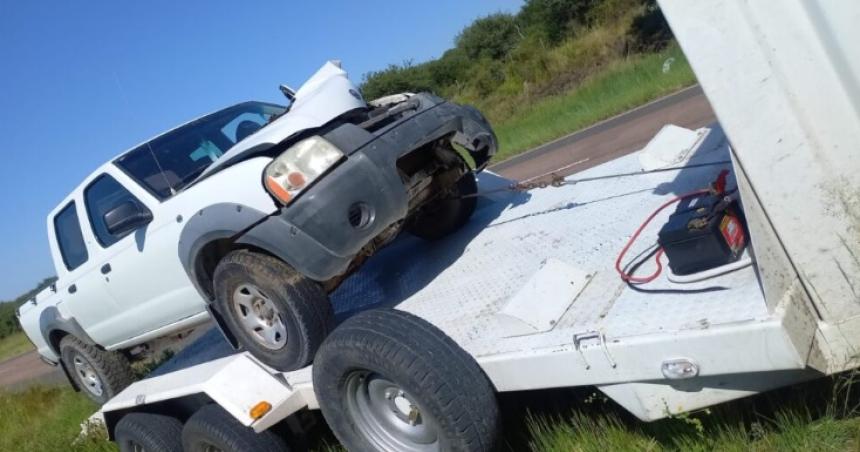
[[69, 237]]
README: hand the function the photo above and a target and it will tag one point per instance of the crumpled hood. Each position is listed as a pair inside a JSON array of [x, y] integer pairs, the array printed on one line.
[[323, 97]]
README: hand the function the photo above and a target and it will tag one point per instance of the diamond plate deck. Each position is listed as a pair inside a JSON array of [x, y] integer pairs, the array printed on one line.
[[461, 282]]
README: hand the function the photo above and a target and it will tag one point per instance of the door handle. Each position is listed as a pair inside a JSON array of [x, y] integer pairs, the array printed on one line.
[[73, 288], [106, 269]]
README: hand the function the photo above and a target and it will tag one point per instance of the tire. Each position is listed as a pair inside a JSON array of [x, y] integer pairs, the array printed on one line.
[[386, 380], [294, 314], [100, 374], [149, 432], [212, 426], [445, 216]]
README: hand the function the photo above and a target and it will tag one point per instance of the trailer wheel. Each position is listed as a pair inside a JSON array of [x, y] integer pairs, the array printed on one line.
[[213, 429], [389, 381], [278, 315], [445, 216], [100, 374], [148, 432]]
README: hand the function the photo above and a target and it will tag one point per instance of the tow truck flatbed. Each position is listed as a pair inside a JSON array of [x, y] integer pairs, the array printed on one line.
[[529, 290]]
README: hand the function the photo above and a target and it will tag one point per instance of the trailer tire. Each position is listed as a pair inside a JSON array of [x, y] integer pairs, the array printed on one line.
[[149, 432], [100, 374], [387, 380], [297, 309], [445, 216], [213, 426]]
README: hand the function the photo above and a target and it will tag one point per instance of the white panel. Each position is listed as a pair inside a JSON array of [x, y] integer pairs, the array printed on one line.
[[784, 83], [540, 303], [656, 400], [670, 147], [236, 383]]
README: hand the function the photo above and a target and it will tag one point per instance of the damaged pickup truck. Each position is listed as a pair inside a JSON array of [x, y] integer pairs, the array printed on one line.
[[250, 215]]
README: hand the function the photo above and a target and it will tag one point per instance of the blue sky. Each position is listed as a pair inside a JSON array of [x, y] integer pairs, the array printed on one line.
[[82, 81]]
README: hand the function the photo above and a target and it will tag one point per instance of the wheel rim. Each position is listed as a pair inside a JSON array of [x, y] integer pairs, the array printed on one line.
[[387, 416], [87, 375], [259, 317]]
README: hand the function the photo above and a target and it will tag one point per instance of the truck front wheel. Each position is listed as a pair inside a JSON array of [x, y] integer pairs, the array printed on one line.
[[278, 315], [100, 374]]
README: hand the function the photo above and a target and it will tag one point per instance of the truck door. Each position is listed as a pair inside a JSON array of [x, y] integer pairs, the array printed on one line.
[[82, 294], [140, 265]]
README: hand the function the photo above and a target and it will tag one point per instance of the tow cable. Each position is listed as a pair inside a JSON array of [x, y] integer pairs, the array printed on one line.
[[556, 180]]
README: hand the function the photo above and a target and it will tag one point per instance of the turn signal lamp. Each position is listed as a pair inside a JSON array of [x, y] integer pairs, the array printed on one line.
[[260, 409]]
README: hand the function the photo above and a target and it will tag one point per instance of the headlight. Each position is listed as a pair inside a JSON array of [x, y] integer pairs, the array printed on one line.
[[299, 166]]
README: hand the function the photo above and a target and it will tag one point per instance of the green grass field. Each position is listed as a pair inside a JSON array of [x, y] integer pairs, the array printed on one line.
[[46, 419], [821, 415], [14, 345], [623, 85]]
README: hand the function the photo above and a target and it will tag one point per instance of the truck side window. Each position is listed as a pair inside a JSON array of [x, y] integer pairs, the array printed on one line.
[[102, 195], [69, 237]]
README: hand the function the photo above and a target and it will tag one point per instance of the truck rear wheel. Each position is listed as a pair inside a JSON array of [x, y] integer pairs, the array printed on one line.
[[213, 429], [100, 374], [278, 315], [389, 381], [148, 432], [445, 216]]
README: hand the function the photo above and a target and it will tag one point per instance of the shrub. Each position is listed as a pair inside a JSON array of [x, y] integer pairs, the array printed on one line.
[[650, 31], [555, 19], [397, 79], [492, 37]]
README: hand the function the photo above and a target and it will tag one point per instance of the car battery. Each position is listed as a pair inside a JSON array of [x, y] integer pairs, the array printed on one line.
[[702, 234]]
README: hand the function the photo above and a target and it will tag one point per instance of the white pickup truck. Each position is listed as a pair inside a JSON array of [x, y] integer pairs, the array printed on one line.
[[250, 215]]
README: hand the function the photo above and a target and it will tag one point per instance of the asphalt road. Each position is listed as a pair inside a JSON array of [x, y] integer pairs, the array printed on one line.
[[27, 369], [607, 140], [612, 138]]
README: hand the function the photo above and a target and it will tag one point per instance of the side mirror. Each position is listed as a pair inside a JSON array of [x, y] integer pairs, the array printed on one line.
[[126, 217], [288, 92]]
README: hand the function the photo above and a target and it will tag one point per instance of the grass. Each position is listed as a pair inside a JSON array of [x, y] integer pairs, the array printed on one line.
[[622, 85], [789, 431], [14, 345], [46, 419], [821, 415]]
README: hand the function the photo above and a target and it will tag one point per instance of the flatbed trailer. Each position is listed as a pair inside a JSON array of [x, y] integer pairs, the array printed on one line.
[[528, 289]]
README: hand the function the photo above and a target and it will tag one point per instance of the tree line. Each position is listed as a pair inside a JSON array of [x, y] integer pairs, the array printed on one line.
[[547, 46]]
